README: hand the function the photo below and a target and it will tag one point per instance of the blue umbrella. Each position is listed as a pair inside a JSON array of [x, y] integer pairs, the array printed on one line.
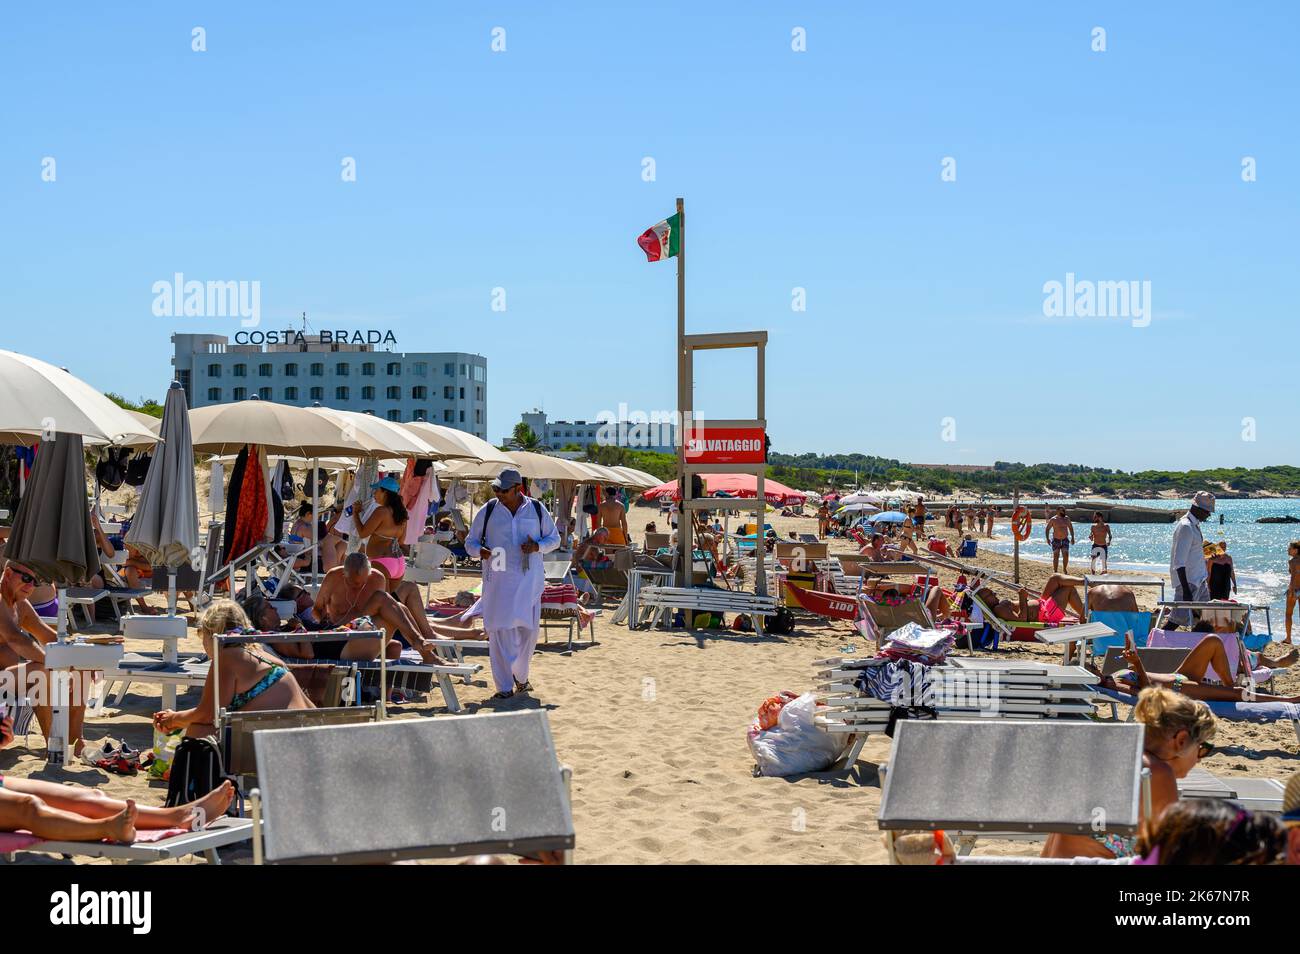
[[889, 516]]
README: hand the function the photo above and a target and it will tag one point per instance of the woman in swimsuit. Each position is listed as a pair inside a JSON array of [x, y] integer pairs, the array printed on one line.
[[1190, 680], [1178, 734], [384, 530], [1223, 575], [252, 678]]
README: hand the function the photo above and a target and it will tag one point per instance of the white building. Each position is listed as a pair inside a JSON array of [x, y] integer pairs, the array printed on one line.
[[304, 369], [555, 435]]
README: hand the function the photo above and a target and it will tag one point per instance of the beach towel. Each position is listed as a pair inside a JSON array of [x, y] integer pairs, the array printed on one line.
[[1121, 623], [24, 840], [1258, 712]]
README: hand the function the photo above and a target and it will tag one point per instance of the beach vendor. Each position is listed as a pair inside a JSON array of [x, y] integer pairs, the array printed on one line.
[[613, 517], [1187, 570], [510, 533]]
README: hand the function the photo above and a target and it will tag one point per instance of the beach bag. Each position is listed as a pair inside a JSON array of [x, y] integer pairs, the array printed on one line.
[[111, 469], [197, 769], [794, 745], [782, 623], [137, 468]]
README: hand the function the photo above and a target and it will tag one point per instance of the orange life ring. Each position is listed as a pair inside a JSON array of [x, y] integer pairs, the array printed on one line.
[[1021, 523]]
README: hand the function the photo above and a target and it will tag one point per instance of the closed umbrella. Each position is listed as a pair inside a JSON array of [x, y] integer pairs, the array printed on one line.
[[165, 528], [37, 398], [51, 532]]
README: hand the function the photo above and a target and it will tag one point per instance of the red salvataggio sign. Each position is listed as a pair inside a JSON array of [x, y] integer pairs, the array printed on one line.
[[725, 445]]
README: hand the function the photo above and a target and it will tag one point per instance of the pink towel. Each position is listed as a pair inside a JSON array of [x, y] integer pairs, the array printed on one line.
[[22, 840]]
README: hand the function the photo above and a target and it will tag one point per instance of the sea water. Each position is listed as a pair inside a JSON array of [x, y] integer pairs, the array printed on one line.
[[1258, 550]]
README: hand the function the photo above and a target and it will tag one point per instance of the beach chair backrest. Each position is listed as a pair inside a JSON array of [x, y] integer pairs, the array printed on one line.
[[1154, 659], [212, 552], [241, 746], [1048, 776], [412, 788], [656, 541]]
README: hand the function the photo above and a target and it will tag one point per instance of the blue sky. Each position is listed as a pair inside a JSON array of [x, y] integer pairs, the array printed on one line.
[[816, 169]]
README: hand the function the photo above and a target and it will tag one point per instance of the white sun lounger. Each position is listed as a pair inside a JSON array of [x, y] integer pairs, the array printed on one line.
[[221, 833], [461, 787]]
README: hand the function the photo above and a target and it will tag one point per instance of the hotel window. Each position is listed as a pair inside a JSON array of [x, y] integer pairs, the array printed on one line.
[[240, 370], [448, 392], [478, 394], [394, 414], [290, 370], [447, 416], [241, 394], [317, 370], [214, 370], [368, 369], [264, 394], [317, 394], [419, 414], [341, 394], [393, 393], [214, 394], [342, 368], [263, 370], [367, 393], [462, 394], [480, 372], [464, 369], [462, 417], [449, 369], [419, 394], [420, 369], [394, 369], [478, 415], [291, 394]]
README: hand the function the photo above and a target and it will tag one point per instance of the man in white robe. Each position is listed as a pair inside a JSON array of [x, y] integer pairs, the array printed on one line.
[[510, 535]]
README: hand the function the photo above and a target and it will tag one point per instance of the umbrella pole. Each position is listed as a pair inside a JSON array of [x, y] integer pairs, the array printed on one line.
[[56, 681], [171, 591], [315, 525]]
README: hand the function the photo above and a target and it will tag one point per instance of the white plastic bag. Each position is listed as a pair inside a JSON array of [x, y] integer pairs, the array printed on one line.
[[795, 744]]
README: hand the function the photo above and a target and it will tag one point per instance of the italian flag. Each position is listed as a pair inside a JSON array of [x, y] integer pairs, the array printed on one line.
[[663, 240]]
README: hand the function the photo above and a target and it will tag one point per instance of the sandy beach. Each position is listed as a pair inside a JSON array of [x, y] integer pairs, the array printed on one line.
[[653, 724]]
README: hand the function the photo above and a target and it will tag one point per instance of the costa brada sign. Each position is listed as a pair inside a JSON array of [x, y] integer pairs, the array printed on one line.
[[292, 337], [725, 445]]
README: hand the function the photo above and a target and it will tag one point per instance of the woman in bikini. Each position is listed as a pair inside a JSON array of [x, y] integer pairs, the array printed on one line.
[[1190, 679], [1178, 734], [253, 679], [384, 530]]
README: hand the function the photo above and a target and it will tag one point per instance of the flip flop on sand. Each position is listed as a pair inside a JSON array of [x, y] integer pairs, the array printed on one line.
[[504, 695]]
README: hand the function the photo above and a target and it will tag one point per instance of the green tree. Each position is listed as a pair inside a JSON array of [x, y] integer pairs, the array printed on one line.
[[525, 438]]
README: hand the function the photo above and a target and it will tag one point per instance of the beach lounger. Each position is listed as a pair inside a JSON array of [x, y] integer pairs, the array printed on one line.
[[1007, 779], [1080, 634], [1255, 794], [1261, 713], [221, 833], [461, 787], [1139, 624], [239, 744]]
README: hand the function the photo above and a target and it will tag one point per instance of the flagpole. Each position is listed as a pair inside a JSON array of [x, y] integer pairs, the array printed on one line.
[[685, 543]]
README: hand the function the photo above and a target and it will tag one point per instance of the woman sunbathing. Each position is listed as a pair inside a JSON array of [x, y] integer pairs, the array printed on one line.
[[252, 678], [1189, 677], [1058, 596], [76, 813], [1178, 734]]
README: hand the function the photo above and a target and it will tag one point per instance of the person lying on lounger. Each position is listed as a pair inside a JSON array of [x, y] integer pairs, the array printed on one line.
[[1059, 594], [253, 679], [61, 812], [1177, 737], [1189, 679]]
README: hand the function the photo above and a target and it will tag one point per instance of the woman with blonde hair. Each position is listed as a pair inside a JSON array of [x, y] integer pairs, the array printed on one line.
[[1178, 734], [253, 679]]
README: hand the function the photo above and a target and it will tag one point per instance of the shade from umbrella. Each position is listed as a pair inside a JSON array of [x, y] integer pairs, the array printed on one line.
[[889, 516], [382, 438], [457, 443], [51, 531], [165, 528], [735, 485], [279, 428], [39, 399]]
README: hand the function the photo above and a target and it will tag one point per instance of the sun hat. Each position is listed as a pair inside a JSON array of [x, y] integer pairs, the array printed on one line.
[[387, 483]]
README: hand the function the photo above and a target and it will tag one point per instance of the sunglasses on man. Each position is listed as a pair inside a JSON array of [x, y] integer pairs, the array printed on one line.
[[26, 577]]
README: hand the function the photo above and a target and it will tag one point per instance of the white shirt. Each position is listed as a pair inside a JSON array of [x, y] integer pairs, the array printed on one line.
[[1187, 552], [512, 587]]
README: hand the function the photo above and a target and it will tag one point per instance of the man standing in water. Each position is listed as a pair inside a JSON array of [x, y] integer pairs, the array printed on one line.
[[1187, 570], [510, 534], [1060, 537], [1099, 534]]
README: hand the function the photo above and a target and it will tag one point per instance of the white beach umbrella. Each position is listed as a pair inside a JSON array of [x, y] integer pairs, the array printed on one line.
[[382, 438], [280, 428], [38, 398], [456, 443]]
